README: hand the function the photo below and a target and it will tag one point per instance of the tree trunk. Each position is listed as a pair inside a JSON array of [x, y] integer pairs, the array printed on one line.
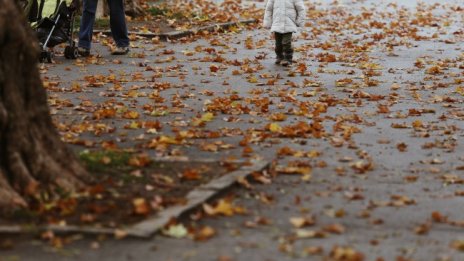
[[33, 159], [133, 8], [102, 9]]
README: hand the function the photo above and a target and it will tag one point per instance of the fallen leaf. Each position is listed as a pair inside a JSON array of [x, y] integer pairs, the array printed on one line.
[[175, 231], [299, 222], [141, 206]]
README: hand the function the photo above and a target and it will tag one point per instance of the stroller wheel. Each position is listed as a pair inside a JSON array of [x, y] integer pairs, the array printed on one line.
[[43, 56], [75, 52], [70, 52]]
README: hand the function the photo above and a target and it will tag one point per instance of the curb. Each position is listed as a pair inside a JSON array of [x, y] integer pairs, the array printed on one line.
[[147, 228], [179, 34]]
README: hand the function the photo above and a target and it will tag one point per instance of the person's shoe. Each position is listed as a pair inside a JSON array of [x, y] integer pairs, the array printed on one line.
[[278, 61], [286, 63], [84, 52], [120, 51]]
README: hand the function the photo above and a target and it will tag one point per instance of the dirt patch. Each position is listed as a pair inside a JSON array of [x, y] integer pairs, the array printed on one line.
[[127, 189]]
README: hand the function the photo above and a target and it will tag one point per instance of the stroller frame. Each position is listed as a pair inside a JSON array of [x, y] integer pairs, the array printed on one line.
[[70, 51]]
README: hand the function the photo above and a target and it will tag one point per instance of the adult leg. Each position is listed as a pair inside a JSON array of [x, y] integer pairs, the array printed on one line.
[[118, 23], [87, 21], [278, 47]]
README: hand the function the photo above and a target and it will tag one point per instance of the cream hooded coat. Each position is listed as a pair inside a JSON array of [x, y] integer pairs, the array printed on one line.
[[284, 16]]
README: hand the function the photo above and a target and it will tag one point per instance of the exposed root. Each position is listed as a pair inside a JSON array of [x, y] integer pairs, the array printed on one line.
[[22, 180], [9, 198]]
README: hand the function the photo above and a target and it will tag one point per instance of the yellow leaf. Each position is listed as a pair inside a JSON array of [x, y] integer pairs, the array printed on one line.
[[460, 90], [372, 66], [204, 118], [222, 208], [253, 80], [417, 124], [207, 116], [134, 125], [168, 140], [274, 127]]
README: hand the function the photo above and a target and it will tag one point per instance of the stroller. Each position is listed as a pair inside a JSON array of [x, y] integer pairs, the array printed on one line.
[[53, 20]]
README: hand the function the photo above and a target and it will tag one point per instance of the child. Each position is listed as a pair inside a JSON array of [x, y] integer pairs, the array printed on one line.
[[284, 17]]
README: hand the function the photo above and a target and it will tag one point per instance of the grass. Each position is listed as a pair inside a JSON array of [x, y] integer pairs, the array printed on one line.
[[100, 23], [169, 14], [104, 160], [115, 163], [156, 11]]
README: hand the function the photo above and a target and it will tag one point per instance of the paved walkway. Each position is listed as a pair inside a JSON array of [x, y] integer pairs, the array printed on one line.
[[374, 193]]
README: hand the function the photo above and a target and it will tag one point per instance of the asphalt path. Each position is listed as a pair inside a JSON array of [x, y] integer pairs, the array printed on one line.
[[385, 212]]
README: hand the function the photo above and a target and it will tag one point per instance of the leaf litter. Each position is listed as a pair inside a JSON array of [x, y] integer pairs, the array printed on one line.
[[349, 92]]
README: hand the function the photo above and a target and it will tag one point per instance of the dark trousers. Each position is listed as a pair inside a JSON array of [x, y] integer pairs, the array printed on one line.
[[117, 23], [283, 46]]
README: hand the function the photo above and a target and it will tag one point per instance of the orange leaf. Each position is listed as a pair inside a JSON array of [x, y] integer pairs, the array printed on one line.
[[141, 206]]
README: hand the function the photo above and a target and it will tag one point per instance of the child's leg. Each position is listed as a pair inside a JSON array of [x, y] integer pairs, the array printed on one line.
[[287, 46], [278, 47]]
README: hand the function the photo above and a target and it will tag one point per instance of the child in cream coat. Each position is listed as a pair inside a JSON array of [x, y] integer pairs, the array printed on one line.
[[284, 17]]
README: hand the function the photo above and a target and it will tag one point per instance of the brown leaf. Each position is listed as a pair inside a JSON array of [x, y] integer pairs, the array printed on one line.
[[346, 254], [335, 229], [205, 233], [191, 174], [402, 147]]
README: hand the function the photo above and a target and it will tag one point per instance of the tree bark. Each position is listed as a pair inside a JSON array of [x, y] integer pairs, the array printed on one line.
[[133, 8], [33, 159]]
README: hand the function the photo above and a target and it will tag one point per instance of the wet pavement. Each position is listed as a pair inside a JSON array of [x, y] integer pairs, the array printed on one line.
[[386, 174]]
